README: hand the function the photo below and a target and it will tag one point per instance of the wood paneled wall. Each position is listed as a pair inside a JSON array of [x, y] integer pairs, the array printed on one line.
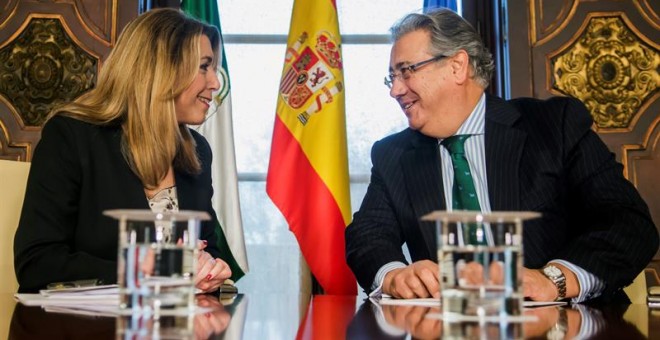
[[50, 53], [606, 53]]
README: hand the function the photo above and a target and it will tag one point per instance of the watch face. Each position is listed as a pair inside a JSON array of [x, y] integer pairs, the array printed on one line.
[[555, 334], [552, 271]]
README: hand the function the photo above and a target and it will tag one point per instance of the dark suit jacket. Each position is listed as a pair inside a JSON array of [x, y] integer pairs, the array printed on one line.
[[540, 156], [77, 172]]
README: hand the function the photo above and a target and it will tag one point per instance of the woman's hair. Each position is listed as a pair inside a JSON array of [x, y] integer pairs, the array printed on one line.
[[156, 58], [450, 33]]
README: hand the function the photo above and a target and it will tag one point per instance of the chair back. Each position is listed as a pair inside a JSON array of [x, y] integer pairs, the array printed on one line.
[[13, 179], [637, 290]]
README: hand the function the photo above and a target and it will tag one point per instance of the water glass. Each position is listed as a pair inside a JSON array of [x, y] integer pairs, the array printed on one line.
[[480, 256], [157, 260]]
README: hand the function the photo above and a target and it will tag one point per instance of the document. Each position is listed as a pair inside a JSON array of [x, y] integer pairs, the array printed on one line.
[[81, 291], [94, 303], [114, 310], [102, 300], [434, 302]]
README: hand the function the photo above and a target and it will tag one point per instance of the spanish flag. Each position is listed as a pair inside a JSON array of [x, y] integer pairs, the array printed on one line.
[[308, 170]]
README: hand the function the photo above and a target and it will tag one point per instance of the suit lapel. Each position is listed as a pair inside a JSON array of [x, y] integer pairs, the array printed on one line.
[[132, 195], [504, 146], [421, 172], [184, 191]]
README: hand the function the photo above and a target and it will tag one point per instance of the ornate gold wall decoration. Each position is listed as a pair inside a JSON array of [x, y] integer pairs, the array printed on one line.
[[610, 68], [44, 67]]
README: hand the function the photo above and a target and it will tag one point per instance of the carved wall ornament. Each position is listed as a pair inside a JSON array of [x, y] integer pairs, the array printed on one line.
[[43, 67], [610, 68]]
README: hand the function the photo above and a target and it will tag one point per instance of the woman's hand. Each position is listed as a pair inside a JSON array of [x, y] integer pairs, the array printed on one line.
[[211, 272], [211, 323]]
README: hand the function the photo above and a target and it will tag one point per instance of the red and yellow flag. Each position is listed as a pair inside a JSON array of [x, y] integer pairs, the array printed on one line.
[[308, 171], [327, 317]]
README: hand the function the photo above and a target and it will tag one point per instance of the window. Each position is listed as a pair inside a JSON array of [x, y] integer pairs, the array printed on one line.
[[255, 56]]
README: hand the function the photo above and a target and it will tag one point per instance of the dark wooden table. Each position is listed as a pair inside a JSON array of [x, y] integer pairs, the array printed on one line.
[[333, 317]]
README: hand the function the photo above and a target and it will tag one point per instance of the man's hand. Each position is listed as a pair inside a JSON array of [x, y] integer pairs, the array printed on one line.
[[413, 320], [537, 286], [472, 273], [418, 280], [546, 317]]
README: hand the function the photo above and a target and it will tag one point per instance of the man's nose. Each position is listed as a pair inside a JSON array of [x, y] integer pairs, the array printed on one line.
[[398, 87]]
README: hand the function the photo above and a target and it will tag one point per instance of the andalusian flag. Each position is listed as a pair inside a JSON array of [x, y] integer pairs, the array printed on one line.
[[308, 170], [219, 132]]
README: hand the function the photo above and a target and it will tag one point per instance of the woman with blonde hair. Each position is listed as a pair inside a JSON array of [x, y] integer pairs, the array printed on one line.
[[124, 145]]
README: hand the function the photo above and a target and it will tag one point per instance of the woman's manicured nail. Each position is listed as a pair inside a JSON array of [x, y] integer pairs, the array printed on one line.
[[209, 277]]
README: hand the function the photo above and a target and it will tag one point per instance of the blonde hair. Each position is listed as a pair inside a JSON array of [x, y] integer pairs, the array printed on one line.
[[156, 58]]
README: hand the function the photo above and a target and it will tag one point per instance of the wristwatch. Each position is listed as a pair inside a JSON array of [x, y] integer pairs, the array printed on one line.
[[557, 277], [558, 331]]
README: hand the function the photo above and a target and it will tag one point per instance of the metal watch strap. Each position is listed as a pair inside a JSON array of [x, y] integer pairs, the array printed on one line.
[[558, 279], [559, 329]]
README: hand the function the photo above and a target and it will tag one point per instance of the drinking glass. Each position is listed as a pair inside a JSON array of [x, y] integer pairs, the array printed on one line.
[[480, 256], [157, 260]]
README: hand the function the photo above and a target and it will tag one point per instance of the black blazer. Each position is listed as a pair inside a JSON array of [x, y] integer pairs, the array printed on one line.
[[540, 156], [77, 172]]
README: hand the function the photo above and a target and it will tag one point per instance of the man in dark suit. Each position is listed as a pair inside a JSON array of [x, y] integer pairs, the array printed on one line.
[[596, 233]]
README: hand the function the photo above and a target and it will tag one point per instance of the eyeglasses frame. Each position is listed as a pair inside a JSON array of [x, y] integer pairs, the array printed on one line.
[[389, 79]]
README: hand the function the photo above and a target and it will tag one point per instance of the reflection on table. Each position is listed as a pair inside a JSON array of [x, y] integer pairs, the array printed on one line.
[[330, 317], [552, 322], [40, 323]]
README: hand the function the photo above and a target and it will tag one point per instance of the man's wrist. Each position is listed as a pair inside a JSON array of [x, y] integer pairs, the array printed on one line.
[[581, 285], [380, 275], [388, 279], [560, 328], [558, 279]]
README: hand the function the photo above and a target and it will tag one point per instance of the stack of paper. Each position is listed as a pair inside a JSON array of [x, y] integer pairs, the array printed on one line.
[[96, 295], [102, 299], [435, 302]]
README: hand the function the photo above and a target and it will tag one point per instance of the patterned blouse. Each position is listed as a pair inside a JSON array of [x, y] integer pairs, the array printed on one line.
[[164, 201]]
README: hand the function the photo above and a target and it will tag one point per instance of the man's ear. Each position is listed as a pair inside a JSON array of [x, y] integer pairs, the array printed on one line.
[[460, 67]]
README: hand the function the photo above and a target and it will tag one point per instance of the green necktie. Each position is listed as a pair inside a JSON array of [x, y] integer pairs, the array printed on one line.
[[464, 195]]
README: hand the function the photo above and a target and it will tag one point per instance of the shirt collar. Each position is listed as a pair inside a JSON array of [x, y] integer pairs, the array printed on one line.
[[475, 122]]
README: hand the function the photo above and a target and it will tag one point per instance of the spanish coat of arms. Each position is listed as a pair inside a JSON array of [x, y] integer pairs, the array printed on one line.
[[308, 74]]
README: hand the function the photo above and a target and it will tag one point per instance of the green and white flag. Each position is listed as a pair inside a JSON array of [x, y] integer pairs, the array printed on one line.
[[219, 132]]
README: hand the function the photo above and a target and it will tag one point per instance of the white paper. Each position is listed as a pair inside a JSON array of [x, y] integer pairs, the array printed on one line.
[[89, 290], [435, 302], [477, 318], [426, 302], [116, 311], [94, 304], [531, 304], [67, 300]]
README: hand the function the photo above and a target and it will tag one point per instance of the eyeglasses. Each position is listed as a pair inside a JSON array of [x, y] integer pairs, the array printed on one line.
[[407, 71]]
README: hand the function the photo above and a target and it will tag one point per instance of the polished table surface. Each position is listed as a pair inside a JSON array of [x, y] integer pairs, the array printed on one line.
[[248, 316]]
